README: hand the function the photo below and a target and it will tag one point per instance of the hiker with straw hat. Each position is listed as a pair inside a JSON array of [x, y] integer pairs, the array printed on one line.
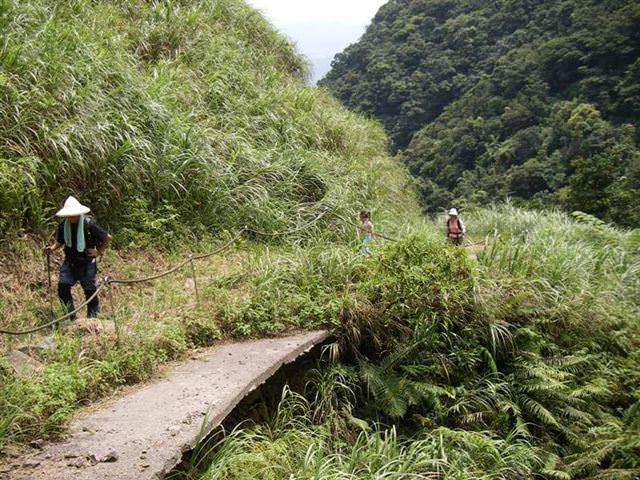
[[83, 242], [455, 228]]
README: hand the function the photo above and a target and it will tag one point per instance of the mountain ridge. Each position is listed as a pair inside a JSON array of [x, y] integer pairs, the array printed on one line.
[[525, 100]]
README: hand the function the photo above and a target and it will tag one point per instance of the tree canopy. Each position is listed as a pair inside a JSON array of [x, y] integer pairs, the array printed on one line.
[[534, 100]]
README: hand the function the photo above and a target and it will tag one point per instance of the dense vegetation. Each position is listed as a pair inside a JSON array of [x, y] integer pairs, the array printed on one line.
[[522, 365], [537, 100], [178, 122], [182, 121], [178, 118]]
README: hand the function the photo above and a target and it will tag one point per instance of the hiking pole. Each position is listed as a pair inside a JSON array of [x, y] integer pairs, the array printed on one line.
[[49, 269]]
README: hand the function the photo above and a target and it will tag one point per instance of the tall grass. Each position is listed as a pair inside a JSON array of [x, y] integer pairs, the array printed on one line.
[[586, 271], [182, 120], [523, 364], [293, 446], [253, 290], [177, 122], [196, 111]]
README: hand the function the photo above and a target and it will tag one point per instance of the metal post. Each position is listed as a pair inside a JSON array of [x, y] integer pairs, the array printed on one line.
[[195, 282]]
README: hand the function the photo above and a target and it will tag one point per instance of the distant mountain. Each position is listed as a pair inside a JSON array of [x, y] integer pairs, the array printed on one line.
[[534, 100], [319, 41], [321, 66]]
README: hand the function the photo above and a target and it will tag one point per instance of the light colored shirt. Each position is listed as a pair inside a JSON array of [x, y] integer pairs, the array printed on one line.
[[366, 227]]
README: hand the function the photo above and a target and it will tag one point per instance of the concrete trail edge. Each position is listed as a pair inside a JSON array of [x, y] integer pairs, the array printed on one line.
[[144, 435]]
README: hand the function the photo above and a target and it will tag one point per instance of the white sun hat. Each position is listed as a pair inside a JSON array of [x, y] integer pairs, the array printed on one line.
[[453, 211], [72, 208]]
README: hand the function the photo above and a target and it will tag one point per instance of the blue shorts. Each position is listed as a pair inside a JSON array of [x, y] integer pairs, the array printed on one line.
[[365, 244], [83, 272]]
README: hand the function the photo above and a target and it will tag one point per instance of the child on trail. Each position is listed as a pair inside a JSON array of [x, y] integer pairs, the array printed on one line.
[[455, 229], [83, 241], [368, 232]]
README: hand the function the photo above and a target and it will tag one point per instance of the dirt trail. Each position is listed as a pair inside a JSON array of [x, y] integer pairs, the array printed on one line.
[[144, 434]]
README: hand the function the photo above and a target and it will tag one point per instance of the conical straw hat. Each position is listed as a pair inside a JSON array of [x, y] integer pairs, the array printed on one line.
[[72, 208]]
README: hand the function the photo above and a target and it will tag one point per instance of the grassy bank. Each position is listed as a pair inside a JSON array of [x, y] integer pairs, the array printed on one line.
[[179, 120], [251, 290], [144, 326], [522, 365], [184, 121]]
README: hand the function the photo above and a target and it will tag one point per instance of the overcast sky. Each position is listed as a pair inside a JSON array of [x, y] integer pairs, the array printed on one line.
[[320, 28]]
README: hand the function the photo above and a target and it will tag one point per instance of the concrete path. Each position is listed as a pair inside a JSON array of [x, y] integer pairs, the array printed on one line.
[[144, 434]]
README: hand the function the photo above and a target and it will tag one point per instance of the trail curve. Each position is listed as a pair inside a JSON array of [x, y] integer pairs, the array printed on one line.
[[143, 435]]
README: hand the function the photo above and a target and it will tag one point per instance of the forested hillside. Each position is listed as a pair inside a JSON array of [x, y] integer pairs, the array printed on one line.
[[538, 100]]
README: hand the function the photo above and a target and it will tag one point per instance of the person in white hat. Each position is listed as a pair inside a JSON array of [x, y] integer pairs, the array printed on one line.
[[455, 228], [83, 241]]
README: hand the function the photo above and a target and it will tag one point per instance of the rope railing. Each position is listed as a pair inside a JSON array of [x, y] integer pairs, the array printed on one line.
[[289, 232], [475, 244], [376, 234], [221, 249], [102, 285], [152, 277], [106, 281]]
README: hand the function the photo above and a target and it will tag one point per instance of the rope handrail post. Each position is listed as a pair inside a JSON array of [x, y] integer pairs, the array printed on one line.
[[116, 324], [195, 281]]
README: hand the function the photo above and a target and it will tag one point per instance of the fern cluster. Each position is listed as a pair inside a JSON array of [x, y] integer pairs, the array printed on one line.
[[522, 364]]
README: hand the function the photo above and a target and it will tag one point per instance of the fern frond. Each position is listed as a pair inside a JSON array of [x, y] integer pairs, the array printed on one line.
[[537, 411]]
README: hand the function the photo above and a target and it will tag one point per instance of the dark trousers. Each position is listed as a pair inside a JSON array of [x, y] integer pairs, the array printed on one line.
[[456, 240], [83, 271]]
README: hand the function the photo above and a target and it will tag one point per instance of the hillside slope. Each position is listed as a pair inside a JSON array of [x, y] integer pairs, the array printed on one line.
[[178, 123], [171, 119], [178, 120], [534, 100]]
